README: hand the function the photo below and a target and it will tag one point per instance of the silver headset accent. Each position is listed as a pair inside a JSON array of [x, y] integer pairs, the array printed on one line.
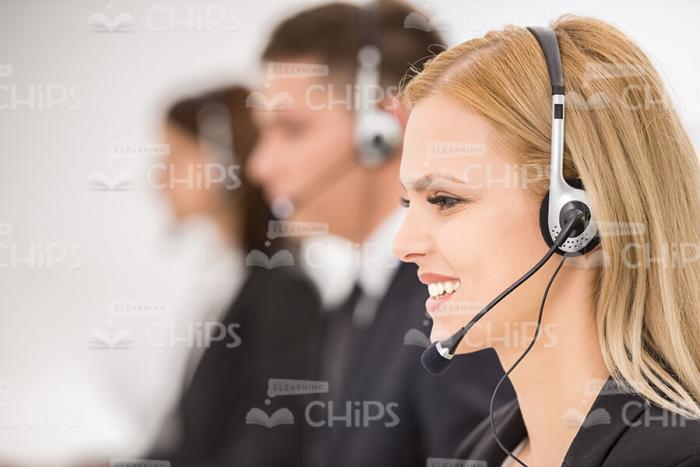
[[562, 197], [377, 133]]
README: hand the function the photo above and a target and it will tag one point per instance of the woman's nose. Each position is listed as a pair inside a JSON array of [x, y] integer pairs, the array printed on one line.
[[413, 239]]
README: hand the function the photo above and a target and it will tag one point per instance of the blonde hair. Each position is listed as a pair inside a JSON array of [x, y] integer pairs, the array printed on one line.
[[626, 144]]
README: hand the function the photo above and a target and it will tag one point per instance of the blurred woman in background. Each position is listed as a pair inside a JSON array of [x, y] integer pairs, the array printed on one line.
[[262, 325]]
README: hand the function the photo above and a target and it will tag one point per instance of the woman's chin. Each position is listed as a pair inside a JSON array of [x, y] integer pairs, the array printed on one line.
[[439, 332], [443, 330]]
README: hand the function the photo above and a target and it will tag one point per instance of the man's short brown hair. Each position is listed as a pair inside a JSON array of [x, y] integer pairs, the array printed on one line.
[[333, 34]]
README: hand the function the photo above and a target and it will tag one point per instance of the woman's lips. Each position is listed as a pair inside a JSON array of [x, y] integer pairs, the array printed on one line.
[[432, 304], [428, 277], [441, 288]]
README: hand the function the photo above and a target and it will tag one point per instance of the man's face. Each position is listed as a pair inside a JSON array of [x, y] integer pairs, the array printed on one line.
[[305, 151]]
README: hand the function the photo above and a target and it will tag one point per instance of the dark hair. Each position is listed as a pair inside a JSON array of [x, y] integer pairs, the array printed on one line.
[[333, 34], [247, 200]]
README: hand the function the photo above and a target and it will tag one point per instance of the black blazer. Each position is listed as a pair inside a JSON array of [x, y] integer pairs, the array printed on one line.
[[620, 430], [434, 412], [278, 314]]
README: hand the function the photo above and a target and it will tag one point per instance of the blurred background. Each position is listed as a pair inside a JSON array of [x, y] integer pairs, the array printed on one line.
[[89, 256]]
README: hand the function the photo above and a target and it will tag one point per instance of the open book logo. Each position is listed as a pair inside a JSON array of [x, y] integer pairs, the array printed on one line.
[[415, 20], [597, 100], [256, 416], [99, 181], [574, 418], [416, 337], [260, 259], [280, 101], [122, 339], [123, 22], [599, 416]]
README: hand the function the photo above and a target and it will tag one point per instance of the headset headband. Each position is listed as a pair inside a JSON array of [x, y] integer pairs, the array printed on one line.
[[562, 199], [377, 133], [369, 29], [547, 39]]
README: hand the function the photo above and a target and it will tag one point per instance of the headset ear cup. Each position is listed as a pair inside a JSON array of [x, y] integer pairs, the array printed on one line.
[[377, 137], [544, 225], [591, 245]]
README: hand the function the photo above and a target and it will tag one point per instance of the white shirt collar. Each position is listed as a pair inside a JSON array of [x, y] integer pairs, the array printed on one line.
[[335, 264], [379, 263]]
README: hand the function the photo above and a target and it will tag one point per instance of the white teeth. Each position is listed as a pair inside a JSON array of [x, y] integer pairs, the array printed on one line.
[[432, 289], [437, 289]]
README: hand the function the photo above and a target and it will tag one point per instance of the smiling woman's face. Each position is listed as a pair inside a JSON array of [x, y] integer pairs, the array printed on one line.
[[471, 226]]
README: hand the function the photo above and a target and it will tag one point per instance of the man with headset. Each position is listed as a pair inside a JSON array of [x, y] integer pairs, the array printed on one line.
[[331, 131]]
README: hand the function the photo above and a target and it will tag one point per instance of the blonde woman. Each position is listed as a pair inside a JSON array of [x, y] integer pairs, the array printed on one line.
[[614, 376]]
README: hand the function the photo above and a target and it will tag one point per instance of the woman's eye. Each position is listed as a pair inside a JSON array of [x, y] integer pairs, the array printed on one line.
[[404, 202], [444, 202]]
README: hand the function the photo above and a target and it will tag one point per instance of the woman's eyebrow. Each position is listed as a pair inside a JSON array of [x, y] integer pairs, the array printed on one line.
[[426, 181]]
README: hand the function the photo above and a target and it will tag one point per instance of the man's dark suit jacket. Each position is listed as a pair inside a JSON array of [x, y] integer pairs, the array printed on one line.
[[278, 314], [434, 412], [620, 430]]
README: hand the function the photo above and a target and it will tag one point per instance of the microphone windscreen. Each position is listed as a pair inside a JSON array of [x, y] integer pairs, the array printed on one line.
[[433, 361], [282, 207]]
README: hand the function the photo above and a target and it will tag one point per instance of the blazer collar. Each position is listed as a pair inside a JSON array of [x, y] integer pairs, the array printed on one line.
[[511, 431], [613, 411]]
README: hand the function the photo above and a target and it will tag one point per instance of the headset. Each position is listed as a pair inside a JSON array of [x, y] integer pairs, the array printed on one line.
[[377, 133], [562, 198], [215, 131], [567, 223]]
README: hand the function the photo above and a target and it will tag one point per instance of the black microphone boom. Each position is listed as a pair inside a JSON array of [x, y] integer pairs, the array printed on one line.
[[437, 358]]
